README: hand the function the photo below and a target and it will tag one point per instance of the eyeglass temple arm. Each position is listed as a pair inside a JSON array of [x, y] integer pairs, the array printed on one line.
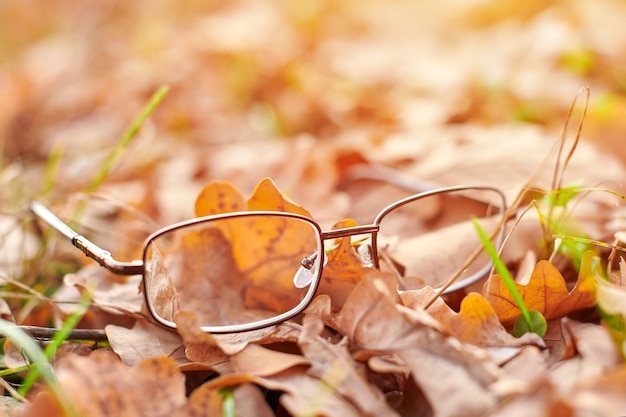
[[93, 251]]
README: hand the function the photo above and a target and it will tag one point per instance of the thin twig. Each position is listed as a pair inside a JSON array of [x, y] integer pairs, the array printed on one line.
[[46, 333]]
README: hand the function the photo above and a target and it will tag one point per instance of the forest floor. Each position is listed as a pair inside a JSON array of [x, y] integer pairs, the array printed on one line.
[[528, 98]]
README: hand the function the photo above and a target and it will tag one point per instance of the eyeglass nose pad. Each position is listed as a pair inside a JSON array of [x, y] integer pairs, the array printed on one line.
[[307, 271], [365, 252]]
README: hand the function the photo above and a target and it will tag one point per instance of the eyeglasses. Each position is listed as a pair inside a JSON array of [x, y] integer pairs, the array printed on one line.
[[247, 270]]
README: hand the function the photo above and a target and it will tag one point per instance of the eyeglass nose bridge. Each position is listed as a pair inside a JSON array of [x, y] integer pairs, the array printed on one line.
[[362, 229], [365, 229]]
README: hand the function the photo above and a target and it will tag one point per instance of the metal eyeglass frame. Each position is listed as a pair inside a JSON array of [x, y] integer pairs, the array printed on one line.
[[138, 267]]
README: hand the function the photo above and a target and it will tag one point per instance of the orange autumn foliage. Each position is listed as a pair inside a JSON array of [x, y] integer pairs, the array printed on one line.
[[546, 292]]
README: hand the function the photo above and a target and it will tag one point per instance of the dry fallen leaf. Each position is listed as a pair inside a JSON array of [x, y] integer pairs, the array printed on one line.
[[476, 322], [205, 402], [249, 401], [373, 319], [324, 381], [243, 266], [144, 340], [521, 372], [593, 343], [219, 197], [302, 394], [201, 263], [267, 196], [259, 361], [344, 268], [201, 346], [334, 367], [327, 88], [100, 385], [112, 302], [605, 394], [541, 400], [545, 292]]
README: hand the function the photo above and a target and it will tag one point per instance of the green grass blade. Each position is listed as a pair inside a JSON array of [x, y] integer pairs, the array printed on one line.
[[53, 164], [127, 138], [68, 325], [119, 148], [38, 361], [502, 270], [228, 405]]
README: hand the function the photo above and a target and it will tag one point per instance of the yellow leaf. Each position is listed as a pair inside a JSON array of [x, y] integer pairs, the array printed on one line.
[[476, 322], [344, 268], [267, 196], [344, 263], [219, 197], [546, 292], [249, 237]]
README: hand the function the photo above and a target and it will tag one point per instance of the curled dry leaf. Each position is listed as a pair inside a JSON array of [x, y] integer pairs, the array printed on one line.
[[541, 400], [302, 394], [377, 294], [605, 394], [259, 361], [612, 301], [201, 346], [5, 311], [593, 343], [545, 292], [144, 340], [335, 368], [372, 318], [325, 380], [205, 402], [111, 302], [521, 372], [250, 401], [589, 381], [621, 278]]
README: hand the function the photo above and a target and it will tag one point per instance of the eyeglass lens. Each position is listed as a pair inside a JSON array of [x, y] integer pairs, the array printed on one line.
[[234, 270], [248, 269]]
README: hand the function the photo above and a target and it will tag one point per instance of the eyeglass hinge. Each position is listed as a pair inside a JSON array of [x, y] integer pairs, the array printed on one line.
[[104, 258], [90, 249]]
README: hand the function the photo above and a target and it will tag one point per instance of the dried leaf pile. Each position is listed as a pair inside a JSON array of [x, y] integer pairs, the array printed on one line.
[[309, 93]]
